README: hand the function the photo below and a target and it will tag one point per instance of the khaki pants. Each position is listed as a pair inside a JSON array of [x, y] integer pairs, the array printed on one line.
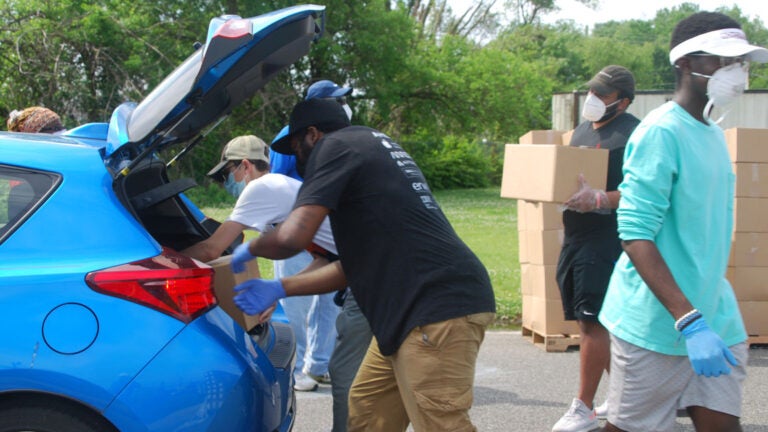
[[428, 381]]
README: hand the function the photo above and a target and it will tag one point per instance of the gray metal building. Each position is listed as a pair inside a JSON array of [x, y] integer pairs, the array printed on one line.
[[748, 111]]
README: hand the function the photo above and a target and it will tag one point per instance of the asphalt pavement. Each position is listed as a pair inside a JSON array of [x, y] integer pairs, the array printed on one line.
[[521, 387]]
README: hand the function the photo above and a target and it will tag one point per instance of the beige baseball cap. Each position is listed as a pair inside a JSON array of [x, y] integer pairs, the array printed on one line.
[[248, 147]]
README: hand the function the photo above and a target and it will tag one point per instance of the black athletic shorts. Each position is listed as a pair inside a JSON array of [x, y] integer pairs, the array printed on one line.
[[583, 272]]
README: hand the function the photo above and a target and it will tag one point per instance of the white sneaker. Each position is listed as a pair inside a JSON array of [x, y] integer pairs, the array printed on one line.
[[322, 379], [579, 418], [301, 382], [601, 411]]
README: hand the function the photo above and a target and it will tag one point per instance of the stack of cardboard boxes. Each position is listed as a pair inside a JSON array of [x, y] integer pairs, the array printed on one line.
[[541, 173], [748, 264]]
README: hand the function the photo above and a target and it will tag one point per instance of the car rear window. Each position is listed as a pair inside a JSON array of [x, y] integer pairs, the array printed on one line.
[[21, 192]]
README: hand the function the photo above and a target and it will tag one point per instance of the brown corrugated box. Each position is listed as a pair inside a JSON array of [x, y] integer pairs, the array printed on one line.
[[549, 172], [539, 281], [749, 283], [755, 315], [522, 223], [749, 250], [566, 137], [224, 282], [522, 247], [541, 215], [751, 179], [542, 137], [750, 214], [545, 316], [747, 145], [544, 246]]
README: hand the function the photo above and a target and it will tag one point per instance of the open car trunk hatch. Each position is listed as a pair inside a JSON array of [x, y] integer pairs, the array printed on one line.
[[241, 56]]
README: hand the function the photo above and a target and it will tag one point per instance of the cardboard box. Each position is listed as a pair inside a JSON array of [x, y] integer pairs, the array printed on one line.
[[545, 316], [544, 246], [522, 224], [747, 145], [550, 173], [541, 215], [224, 282], [539, 281], [566, 138], [749, 283], [750, 214], [755, 315], [542, 137], [522, 247], [751, 179], [749, 250]]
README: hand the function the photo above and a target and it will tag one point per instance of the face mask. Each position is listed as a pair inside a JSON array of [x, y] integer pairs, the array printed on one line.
[[724, 86], [596, 111], [347, 110], [234, 188]]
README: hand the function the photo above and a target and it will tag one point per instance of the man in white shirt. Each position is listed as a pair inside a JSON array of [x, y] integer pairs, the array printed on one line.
[[263, 201]]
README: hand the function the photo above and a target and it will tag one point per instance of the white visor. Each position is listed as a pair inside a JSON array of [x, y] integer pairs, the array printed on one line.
[[725, 43]]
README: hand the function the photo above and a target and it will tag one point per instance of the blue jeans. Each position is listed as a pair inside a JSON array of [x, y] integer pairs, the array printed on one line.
[[313, 319]]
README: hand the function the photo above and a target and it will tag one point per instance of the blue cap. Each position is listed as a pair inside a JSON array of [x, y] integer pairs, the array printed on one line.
[[283, 132], [312, 112], [326, 89]]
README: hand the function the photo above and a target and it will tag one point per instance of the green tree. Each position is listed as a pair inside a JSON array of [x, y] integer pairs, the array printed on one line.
[[82, 59]]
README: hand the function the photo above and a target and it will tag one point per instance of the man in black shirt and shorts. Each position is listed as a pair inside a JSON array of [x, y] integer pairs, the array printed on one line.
[[591, 245], [426, 295]]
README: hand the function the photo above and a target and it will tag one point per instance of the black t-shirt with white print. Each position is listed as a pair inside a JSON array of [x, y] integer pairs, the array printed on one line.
[[402, 258], [580, 227]]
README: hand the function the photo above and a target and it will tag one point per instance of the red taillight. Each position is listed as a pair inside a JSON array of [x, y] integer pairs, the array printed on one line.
[[170, 282], [234, 28]]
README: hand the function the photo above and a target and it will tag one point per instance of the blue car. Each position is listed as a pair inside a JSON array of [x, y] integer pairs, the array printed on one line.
[[105, 326]]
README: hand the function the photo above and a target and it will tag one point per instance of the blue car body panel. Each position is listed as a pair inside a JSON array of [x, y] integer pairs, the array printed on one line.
[[133, 365], [84, 197], [213, 361]]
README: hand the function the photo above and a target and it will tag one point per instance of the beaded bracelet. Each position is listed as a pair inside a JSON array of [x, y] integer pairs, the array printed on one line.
[[687, 319]]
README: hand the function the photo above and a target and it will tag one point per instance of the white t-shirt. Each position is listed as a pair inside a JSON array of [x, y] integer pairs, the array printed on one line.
[[268, 201]]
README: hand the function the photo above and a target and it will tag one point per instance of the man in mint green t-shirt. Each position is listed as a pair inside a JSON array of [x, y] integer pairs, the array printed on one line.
[[678, 340]]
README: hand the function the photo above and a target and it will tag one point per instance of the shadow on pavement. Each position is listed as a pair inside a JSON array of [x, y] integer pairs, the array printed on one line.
[[485, 396]]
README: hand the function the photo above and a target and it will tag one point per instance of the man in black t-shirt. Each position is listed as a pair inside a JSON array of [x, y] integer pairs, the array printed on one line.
[[591, 245], [426, 295]]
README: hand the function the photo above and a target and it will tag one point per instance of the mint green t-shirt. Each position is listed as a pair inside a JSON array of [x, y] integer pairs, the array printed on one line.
[[677, 191]]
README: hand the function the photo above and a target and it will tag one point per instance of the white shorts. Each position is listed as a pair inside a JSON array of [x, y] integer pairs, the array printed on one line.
[[647, 388]]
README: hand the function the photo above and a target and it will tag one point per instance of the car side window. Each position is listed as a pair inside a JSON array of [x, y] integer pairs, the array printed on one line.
[[21, 191]]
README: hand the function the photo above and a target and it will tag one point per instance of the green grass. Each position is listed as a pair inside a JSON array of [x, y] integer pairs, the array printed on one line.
[[488, 224]]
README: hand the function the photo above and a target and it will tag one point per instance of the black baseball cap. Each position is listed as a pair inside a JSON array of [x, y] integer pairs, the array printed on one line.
[[321, 113], [614, 78]]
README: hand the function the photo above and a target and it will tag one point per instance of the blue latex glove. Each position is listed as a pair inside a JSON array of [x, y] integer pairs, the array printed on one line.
[[706, 350], [256, 295], [240, 256]]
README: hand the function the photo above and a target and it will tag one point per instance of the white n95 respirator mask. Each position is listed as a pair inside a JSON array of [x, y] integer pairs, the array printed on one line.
[[595, 110]]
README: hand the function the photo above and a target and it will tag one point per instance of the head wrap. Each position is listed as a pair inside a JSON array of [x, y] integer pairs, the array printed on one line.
[[34, 119]]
